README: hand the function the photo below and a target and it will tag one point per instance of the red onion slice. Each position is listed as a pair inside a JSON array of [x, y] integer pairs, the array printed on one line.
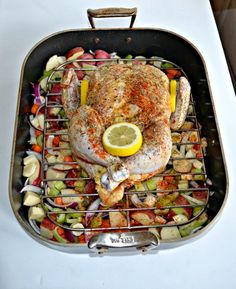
[[36, 88], [93, 206]]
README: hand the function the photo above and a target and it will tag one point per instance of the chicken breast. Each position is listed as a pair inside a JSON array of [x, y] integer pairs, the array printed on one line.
[[137, 94]]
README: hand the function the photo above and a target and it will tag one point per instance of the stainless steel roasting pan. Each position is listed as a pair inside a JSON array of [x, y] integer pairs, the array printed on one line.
[[135, 41]]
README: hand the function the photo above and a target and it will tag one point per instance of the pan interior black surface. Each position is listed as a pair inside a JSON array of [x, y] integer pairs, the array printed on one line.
[[146, 42]]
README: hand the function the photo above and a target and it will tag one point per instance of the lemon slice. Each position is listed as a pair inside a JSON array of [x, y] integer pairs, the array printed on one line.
[[122, 139], [29, 169], [84, 91], [173, 87]]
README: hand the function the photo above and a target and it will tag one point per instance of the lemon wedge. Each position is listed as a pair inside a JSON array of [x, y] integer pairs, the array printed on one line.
[[173, 88], [83, 91], [122, 139]]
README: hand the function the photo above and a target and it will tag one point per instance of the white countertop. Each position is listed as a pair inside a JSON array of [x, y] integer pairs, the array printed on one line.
[[209, 262]]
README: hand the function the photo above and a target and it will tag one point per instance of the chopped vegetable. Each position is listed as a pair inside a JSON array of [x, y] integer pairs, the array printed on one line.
[[34, 108], [145, 218], [117, 219], [37, 148], [182, 166], [170, 233], [186, 230], [59, 185], [59, 235], [36, 213], [151, 184], [31, 199]]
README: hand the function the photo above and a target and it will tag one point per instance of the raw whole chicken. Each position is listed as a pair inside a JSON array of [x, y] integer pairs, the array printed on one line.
[[138, 94]]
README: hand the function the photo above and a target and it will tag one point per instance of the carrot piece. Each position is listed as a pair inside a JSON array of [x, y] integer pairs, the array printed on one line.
[[81, 238], [56, 140], [58, 201], [68, 159], [60, 231], [169, 178], [172, 73], [36, 148], [34, 108], [106, 224], [38, 132]]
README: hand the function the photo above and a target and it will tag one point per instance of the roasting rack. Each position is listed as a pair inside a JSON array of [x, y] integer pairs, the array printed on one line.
[[126, 207]]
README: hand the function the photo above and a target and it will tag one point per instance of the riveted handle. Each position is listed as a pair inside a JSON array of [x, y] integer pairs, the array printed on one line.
[[143, 241], [112, 12]]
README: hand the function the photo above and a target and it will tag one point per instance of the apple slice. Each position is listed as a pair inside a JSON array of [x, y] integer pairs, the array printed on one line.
[[29, 169], [30, 159], [54, 174], [145, 218], [36, 213], [74, 53], [181, 200], [46, 228], [71, 199], [117, 219], [36, 174], [31, 199], [170, 233]]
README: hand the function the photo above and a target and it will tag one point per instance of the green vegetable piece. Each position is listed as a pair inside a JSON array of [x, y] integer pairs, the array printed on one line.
[[96, 222], [80, 184], [129, 56], [59, 238], [186, 230], [180, 211], [198, 177], [167, 200], [196, 211], [62, 113], [72, 218], [53, 192], [45, 74], [139, 187], [183, 185], [151, 184], [83, 174], [46, 233], [59, 185], [65, 124], [167, 65], [39, 140], [61, 218]]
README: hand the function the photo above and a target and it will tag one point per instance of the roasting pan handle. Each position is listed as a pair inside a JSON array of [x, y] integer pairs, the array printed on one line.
[[143, 241], [112, 12]]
